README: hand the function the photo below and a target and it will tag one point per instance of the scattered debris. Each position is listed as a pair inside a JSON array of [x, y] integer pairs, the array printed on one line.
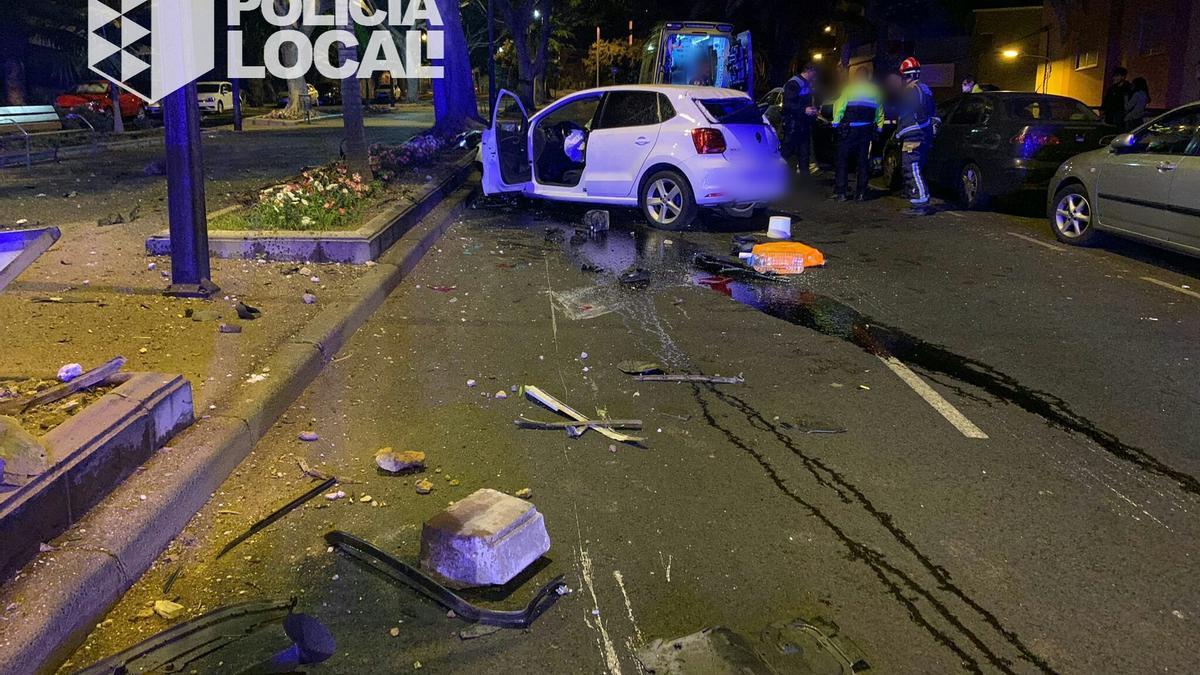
[[524, 493], [442, 289], [559, 407], [45, 548], [170, 582], [227, 328], [471, 383], [167, 609], [423, 486], [84, 381], [277, 514], [311, 472], [477, 631], [483, 540], [69, 372], [246, 312], [312, 642], [713, 650], [415, 579], [634, 276], [203, 315], [308, 436], [176, 647], [705, 379], [639, 367], [726, 266], [309, 299], [501, 395], [526, 423], [334, 496], [405, 461], [596, 221]]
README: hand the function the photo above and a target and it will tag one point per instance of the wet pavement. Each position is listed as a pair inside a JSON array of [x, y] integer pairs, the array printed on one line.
[[1012, 492]]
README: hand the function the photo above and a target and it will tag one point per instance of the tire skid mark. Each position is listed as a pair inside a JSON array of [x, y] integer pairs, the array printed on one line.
[[874, 560]]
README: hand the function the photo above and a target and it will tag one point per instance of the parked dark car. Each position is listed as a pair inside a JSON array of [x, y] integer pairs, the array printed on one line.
[[993, 144]]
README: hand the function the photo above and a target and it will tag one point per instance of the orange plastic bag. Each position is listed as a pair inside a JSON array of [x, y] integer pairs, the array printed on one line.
[[786, 257]]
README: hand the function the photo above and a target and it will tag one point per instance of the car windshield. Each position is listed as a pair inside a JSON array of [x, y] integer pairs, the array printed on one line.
[[208, 88], [1049, 109], [92, 88], [733, 110]]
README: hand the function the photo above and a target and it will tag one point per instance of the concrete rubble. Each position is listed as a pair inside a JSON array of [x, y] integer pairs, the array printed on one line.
[[486, 539], [22, 456]]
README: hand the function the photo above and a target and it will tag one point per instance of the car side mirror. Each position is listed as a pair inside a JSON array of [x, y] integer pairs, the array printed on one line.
[[1123, 143]]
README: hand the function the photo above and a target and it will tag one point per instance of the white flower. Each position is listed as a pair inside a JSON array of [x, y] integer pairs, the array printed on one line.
[[306, 221]]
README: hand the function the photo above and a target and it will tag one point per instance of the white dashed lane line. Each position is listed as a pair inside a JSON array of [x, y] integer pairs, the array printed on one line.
[[944, 408], [1173, 287]]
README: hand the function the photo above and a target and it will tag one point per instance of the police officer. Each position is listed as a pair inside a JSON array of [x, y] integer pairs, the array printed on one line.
[[857, 117], [917, 115], [799, 110]]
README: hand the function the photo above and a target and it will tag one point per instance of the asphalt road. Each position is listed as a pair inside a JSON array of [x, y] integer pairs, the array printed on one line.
[[1014, 490]]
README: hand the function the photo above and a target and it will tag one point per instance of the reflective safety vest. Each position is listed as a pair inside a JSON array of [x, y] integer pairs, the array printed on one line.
[[860, 105]]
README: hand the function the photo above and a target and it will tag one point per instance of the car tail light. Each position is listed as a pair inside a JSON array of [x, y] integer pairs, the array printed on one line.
[[1035, 139], [708, 141]]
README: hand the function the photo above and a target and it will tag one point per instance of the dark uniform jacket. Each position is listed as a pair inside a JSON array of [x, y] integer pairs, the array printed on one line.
[[797, 96], [917, 113]]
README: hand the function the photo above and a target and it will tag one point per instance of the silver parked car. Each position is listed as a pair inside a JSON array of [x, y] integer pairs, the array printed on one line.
[[1145, 185]]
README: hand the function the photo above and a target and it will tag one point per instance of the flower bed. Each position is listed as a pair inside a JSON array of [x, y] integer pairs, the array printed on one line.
[[330, 197]]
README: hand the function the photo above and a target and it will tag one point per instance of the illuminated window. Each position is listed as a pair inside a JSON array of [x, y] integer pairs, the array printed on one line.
[[1085, 59]]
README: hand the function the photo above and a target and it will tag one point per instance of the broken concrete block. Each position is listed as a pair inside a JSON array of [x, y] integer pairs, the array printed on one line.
[[22, 457], [399, 462], [485, 539], [167, 609]]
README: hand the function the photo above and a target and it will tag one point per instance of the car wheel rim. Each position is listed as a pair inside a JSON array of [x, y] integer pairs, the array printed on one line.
[[970, 183], [664, 201], [1073, 216]]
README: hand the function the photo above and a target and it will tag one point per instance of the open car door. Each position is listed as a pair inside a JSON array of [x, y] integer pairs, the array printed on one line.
[[741, 64], [505, 147]]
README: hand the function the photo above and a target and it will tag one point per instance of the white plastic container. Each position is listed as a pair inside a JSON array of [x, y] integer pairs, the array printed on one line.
[[779, 227]]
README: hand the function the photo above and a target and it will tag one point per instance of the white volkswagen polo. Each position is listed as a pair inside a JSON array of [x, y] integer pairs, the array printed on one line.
[[670, 150]]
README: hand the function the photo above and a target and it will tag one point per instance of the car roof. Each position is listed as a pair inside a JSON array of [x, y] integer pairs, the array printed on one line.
[[689, 91]]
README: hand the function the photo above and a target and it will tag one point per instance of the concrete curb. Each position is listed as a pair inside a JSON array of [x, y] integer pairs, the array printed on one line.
[[59, 602]]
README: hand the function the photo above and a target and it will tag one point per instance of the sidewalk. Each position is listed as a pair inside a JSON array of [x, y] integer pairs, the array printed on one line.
[[112, 301]]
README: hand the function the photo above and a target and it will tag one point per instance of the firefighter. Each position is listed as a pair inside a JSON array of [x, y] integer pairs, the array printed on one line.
[[914, 131], [857, 118], [799, 110]]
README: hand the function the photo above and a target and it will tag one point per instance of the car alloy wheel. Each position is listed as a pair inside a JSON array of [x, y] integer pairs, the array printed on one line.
[[664, 201], [972, 184], [220, 107], [1073, 215]]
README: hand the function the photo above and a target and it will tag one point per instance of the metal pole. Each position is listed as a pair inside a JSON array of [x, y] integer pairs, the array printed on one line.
[[237, 104], [190, 274], [597, 56], [491, 27]]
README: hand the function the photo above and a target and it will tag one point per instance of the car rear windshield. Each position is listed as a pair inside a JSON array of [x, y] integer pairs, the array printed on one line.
[[1049, 109], [733, 110]]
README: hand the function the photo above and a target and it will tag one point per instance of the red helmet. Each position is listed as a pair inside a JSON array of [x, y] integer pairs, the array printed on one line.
[[910, 65]]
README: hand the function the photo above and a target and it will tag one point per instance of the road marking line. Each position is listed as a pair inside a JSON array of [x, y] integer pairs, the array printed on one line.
[[607, 648], [1039, 242], [952, 415], [956, 214], [628, 606], [1177, 289]]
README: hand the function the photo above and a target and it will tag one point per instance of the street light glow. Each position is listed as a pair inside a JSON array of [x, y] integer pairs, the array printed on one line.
[[817, 56], [828, 29], [1010, 53], [537, 14]]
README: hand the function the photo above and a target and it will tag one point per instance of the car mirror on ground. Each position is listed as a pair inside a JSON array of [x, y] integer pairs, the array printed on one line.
[[1123, 143]]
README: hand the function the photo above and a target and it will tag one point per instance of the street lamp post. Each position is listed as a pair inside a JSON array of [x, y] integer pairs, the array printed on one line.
[[187, 217]]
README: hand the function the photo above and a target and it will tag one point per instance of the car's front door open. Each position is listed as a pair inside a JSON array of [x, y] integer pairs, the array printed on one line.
[[505, 147]]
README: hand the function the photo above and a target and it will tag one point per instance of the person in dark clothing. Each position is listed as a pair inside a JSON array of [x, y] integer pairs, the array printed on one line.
[[1135, 107], [857, 118], [1116, 98], [799, 111], [917, 114]]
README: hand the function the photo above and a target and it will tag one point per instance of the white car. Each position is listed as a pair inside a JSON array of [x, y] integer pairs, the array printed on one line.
[[216, 96], [668, 149]]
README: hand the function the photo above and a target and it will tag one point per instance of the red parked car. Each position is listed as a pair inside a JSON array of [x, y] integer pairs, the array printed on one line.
[[95, 97]]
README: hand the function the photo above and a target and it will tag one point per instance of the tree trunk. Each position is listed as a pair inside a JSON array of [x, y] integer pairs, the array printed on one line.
[[543, 54], [358, 158], [454, 101], [517, 19], [297, 87], [14, 81], [114, 93]]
